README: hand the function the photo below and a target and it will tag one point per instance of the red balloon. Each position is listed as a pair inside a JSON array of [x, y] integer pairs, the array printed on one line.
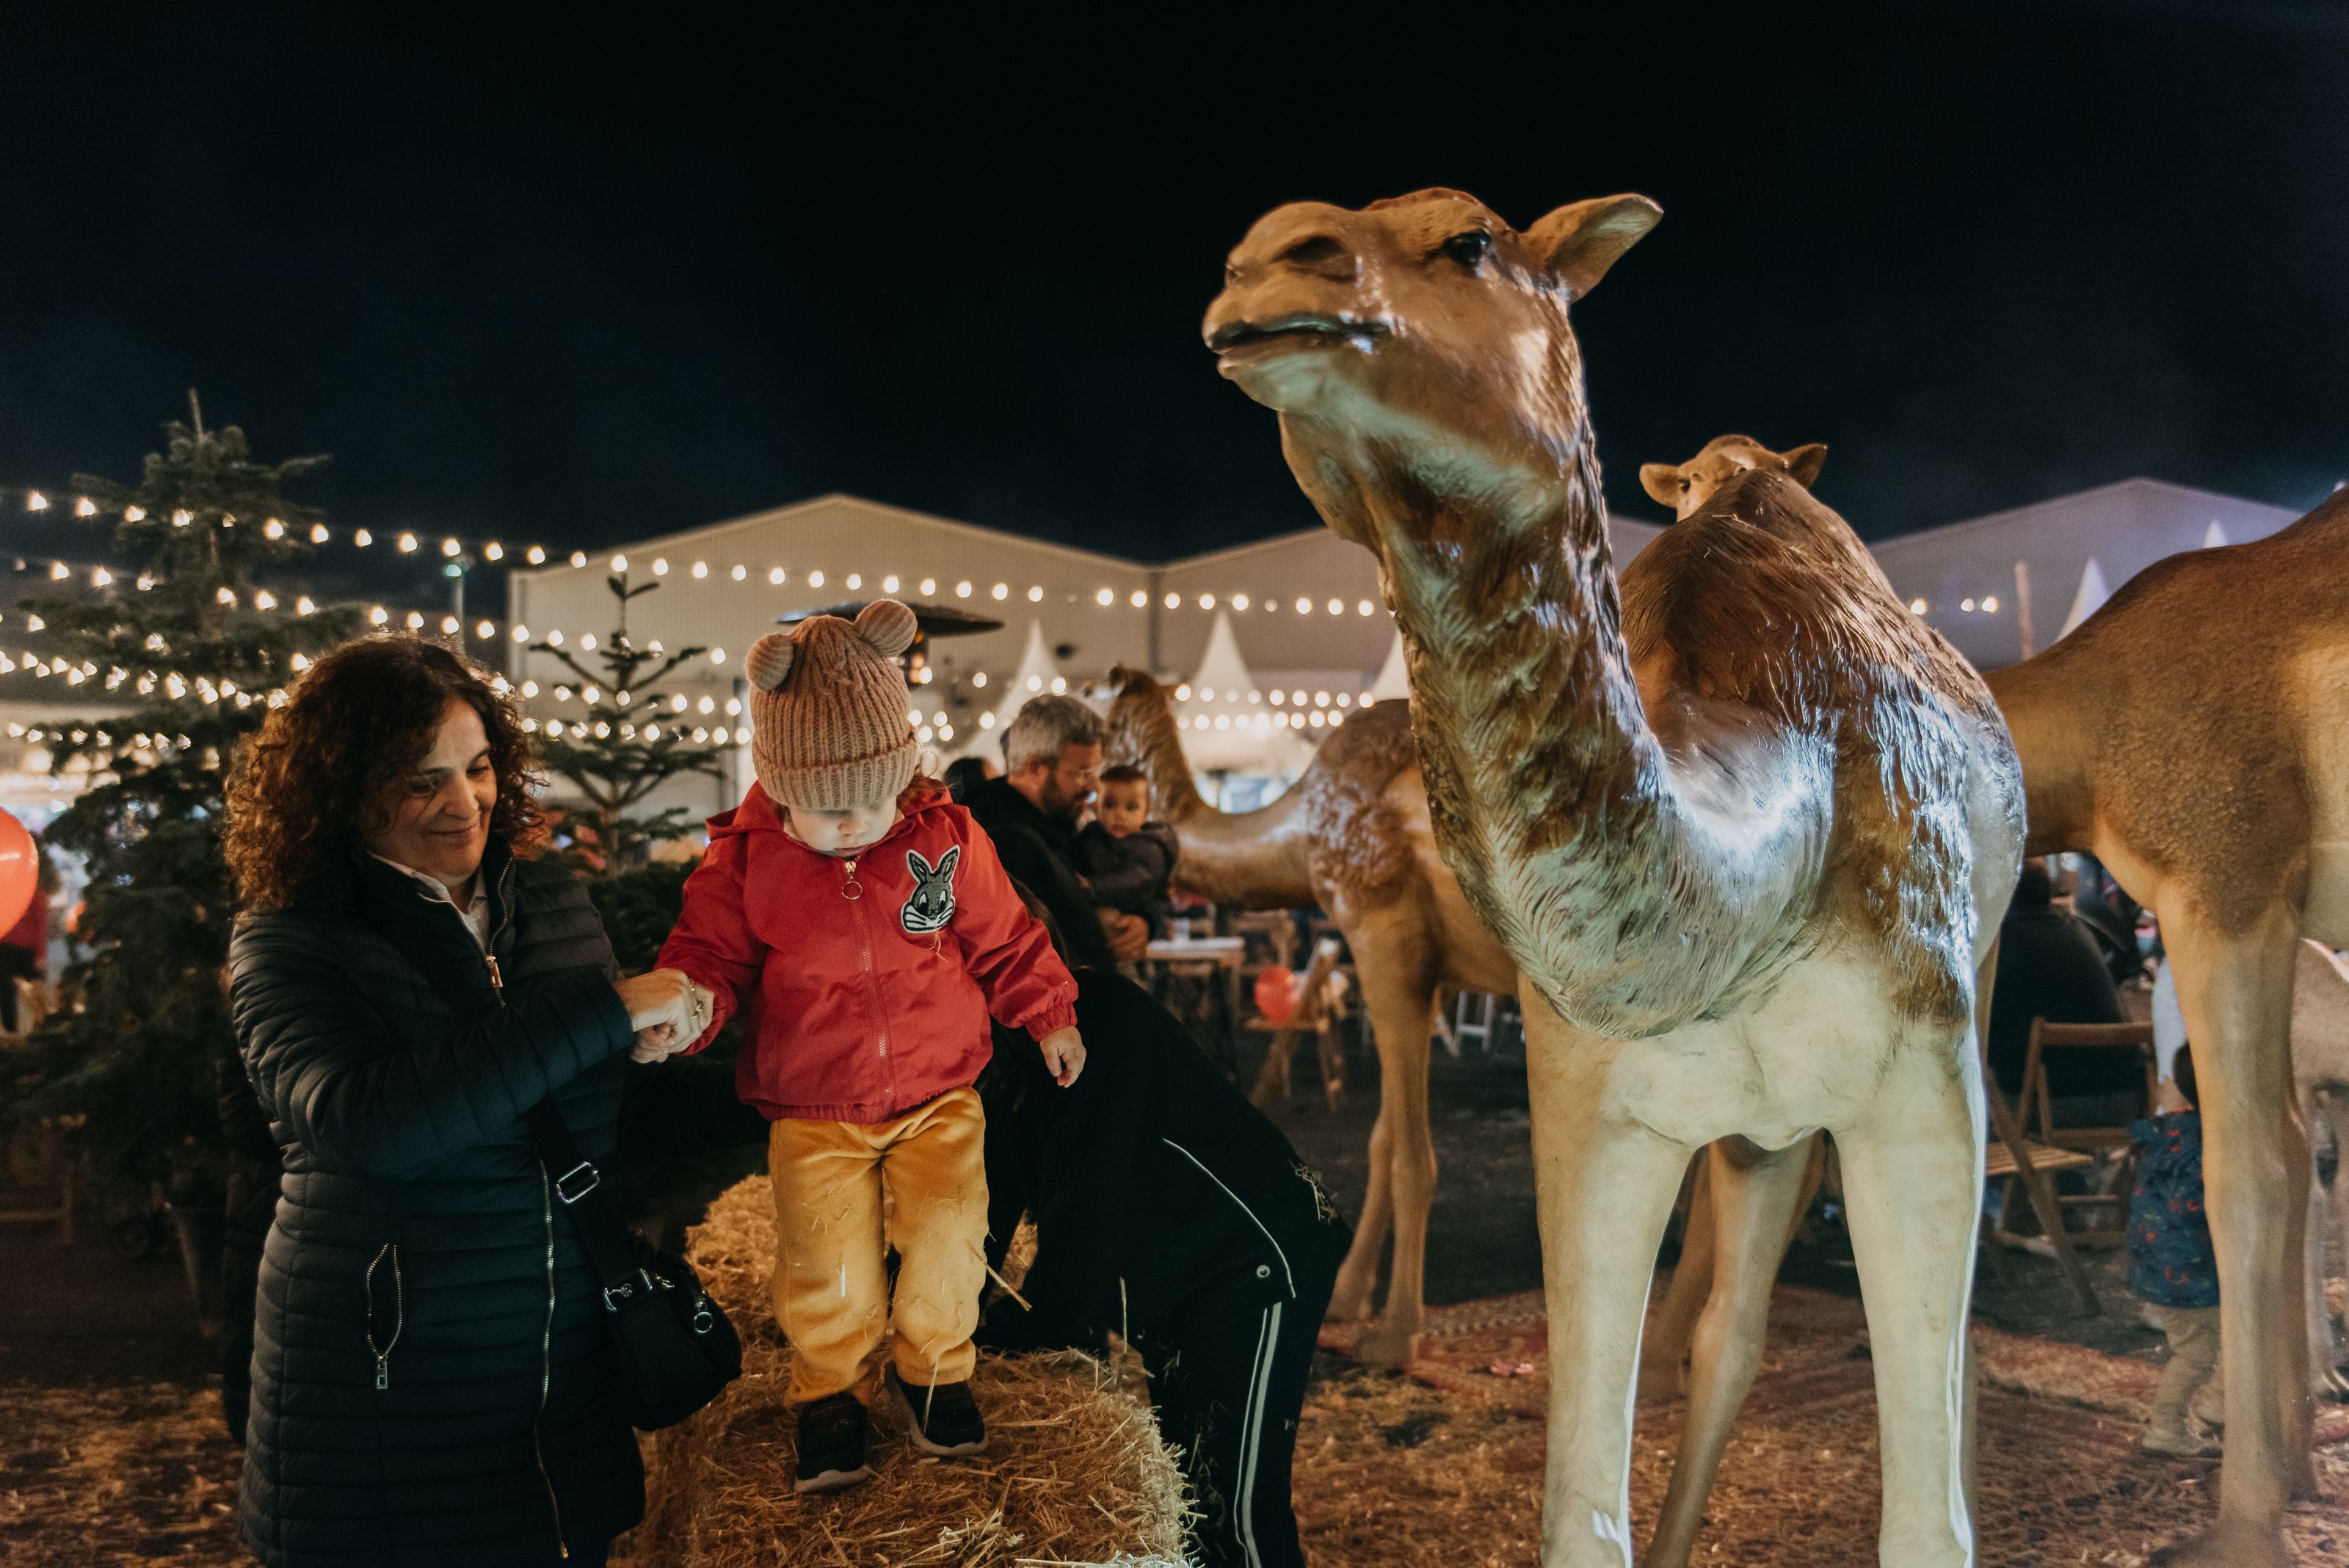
[[1276, 994], [20, 870]]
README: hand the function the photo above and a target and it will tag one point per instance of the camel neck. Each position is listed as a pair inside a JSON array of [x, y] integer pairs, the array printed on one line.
[[1549, 789], [2049, 717]]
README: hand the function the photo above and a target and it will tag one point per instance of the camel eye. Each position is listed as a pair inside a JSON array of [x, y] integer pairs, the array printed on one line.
[[1468, 249]]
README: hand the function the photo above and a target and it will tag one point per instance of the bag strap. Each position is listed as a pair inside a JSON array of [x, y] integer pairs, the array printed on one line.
[[579, 1187], [578, 1183]]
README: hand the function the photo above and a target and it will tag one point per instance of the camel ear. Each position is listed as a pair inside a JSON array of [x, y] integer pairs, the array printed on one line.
[[1580, 243], [1661, 480], [770, 660], [888, 625], [1805, 462]]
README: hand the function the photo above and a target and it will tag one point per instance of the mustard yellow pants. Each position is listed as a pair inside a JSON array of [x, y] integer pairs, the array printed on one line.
[[832, 1282]]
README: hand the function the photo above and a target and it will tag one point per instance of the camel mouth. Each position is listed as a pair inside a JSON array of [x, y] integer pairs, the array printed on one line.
[[1297, 329]]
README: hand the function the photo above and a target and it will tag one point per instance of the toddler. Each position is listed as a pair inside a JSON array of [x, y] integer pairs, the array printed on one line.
[[2171, 1264], [1128, 859], [864, 928]]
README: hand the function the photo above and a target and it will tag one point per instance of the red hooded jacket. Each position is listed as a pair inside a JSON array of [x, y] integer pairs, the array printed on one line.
[[865, 982]]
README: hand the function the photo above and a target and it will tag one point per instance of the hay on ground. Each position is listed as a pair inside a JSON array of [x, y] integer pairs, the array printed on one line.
[[1074, 1473]]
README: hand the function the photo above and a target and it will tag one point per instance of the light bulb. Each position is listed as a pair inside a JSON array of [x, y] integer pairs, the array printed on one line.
[[1240, 601], [1174, 601], [775, 575], [660, 565], [855, 581], [889, 584], [318, 534], [620, 563], [536, 555], [450, 548], [1104, 596], [493, 551], [408, 542], [741, 572], [1001, 591], [362, 538], [700, 568], [815, 579], [1207, 601], [1137, 598]]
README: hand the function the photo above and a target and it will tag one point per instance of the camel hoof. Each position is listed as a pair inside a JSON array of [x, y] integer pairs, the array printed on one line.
[[1385, 1347], [2226, 1546]]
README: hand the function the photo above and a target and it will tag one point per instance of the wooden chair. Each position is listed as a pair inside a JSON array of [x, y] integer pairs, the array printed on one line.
[[2095, 1144]]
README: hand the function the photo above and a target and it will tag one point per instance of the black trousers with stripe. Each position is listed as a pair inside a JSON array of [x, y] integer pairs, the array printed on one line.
[[1227, 1375]]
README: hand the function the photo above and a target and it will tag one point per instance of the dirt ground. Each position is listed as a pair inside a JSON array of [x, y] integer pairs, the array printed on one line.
[[111, 1450]]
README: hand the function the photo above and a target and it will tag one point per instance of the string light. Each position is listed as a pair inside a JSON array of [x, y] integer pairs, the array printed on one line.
[[318, 534], [407, 544], [493, 551], [362, 538]]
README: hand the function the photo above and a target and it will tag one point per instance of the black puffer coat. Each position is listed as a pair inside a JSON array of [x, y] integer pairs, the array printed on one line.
[[431, 1383]]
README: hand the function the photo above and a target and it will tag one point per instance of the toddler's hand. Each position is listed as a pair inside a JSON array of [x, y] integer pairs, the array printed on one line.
[[1065, 1054], [654, 1045]]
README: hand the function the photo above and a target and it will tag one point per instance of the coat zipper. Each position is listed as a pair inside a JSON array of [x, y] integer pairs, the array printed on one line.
[[546, 1369], [872, 973], [382, 1353], [546, 1334]]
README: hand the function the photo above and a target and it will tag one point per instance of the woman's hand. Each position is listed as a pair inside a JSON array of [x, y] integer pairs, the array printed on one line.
[[1064, 1055]]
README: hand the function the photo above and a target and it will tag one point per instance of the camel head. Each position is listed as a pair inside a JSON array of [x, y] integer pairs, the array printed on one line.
[[1420, 339], [1692, 484], [1140, 718]]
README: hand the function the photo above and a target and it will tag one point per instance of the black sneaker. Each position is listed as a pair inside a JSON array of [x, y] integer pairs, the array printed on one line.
[[942, 1421], [831, 1444]]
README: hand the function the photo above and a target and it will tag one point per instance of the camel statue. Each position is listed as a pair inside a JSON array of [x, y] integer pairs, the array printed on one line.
[[1688, 485], [1352, 836], [2210, 776], [2193, 734], [1745, 826]]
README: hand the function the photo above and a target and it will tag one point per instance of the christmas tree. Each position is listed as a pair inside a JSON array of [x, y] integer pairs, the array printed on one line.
[[191, 655], [631, 741]]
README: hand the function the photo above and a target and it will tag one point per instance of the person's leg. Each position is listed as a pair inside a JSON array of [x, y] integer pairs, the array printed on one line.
[[935, 1167], [1228, 1388], [831, 1294], [2193, 1333]]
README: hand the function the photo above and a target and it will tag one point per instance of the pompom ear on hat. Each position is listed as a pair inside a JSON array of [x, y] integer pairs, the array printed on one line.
[[769, 661], [888, 625]]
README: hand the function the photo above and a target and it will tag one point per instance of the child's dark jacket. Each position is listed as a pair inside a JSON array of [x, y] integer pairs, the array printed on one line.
[[2170, 1261], [1130, 873]]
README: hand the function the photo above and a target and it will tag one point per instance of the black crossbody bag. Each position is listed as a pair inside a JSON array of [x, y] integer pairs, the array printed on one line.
[[675, 1348]]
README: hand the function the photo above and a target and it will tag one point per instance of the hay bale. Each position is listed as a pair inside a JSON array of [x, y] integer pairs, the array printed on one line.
[[1075, 1472]]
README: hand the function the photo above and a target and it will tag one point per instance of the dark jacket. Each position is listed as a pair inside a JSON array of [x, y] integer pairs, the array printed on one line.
[[1130, 873], [2169, 1256], [1042, 856], [2049, 967], [432, 1380], [1152, 1170]]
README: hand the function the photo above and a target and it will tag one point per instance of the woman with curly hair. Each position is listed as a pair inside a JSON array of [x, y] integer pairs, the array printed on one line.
[[431, 1381]]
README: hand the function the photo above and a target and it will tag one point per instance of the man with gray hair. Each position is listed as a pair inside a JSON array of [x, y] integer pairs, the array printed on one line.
[[1052, 751]]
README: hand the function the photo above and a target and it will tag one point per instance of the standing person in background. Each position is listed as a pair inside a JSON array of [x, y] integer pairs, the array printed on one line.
[[2172, 1266], [1053, 757]]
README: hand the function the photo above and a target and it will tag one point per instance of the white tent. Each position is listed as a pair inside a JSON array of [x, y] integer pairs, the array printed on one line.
[[1391, 681], [1037, 674], [2089, 599], [1227, 728]]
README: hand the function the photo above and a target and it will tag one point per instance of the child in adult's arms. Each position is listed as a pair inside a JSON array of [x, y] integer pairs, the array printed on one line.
[[862, 923]]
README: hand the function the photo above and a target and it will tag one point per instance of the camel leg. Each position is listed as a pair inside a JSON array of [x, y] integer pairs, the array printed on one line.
[[2325, 1348], [1913, 1188], [1666, 1348], [1604, 1186], [1397, 1003], [1756, 1199], [1664, 1351], [1358, 1276], [2235, 990], [2318, 1320]]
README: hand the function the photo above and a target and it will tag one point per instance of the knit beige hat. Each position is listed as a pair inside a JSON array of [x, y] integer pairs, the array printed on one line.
[[829, 725]]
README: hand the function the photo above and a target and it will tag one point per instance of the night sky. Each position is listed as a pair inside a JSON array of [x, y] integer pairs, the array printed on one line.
[[580, 283]]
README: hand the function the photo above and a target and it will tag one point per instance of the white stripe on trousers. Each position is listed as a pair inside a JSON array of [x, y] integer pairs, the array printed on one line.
[[1268, 1346]]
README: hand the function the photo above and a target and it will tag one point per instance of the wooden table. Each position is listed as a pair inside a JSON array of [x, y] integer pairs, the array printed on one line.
[[1198, 980]]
